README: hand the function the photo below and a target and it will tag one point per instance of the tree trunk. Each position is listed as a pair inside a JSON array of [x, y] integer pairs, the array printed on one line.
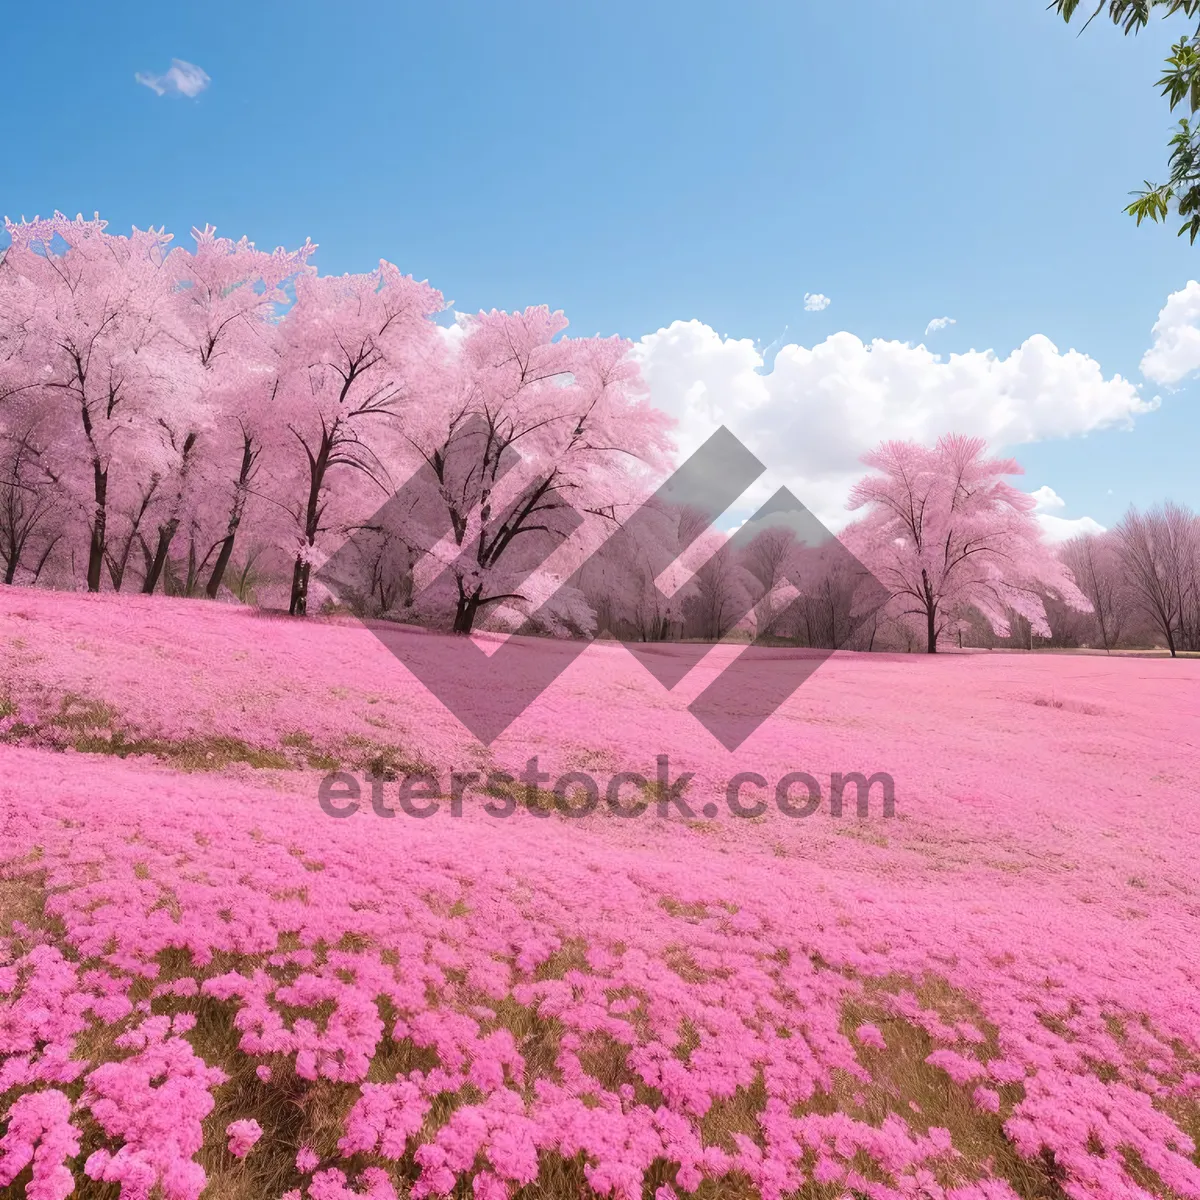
[[99, 525], [37, 571], [930, 615], [299, 602], [167, 530], [119, 563], [312, 519], [465, 613], [165, 534], [12, 540], [218, 572], [235, 519], [195, 566]]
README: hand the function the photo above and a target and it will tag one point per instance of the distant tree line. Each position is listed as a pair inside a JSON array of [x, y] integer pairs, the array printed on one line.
[[224, 422]]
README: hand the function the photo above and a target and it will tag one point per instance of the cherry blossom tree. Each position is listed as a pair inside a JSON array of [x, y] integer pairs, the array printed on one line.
[[534, 443], [357, 350], [158, 395], [92, 337], [228, 295], [944, 533], [30, 526]]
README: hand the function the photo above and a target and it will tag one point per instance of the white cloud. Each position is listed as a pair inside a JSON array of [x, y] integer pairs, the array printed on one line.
[[454, 333], [1047, 498], [1055, 528], [1175, 352], [815, 302], [1060, 529], [938, 324], [181, 79], [810, 419]]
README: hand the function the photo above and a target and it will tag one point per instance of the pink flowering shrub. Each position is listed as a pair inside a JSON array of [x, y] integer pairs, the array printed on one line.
[[39, 1133], [242, 1137], [194, 964], [869, 1035], [153, 1103]]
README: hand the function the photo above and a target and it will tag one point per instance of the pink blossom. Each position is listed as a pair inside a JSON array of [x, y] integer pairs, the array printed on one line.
[[40, 1132], [869, 1035], [623, 1002], [242, 1136]]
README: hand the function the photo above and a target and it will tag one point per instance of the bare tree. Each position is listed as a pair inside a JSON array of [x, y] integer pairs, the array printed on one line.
[[1093, 560], [1159, 550], [767, 558], [719, 598], [27, 506]]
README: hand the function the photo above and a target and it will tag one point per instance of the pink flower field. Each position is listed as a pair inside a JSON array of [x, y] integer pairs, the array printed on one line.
[[211, 987]]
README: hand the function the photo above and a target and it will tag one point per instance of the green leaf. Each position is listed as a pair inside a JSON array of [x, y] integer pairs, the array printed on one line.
[[1179, 83]]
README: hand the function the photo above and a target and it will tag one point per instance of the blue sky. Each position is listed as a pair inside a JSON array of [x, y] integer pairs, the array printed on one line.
[[638, 164]]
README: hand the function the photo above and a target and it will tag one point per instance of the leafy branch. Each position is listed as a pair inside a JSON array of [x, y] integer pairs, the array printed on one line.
[[1180, 84]]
